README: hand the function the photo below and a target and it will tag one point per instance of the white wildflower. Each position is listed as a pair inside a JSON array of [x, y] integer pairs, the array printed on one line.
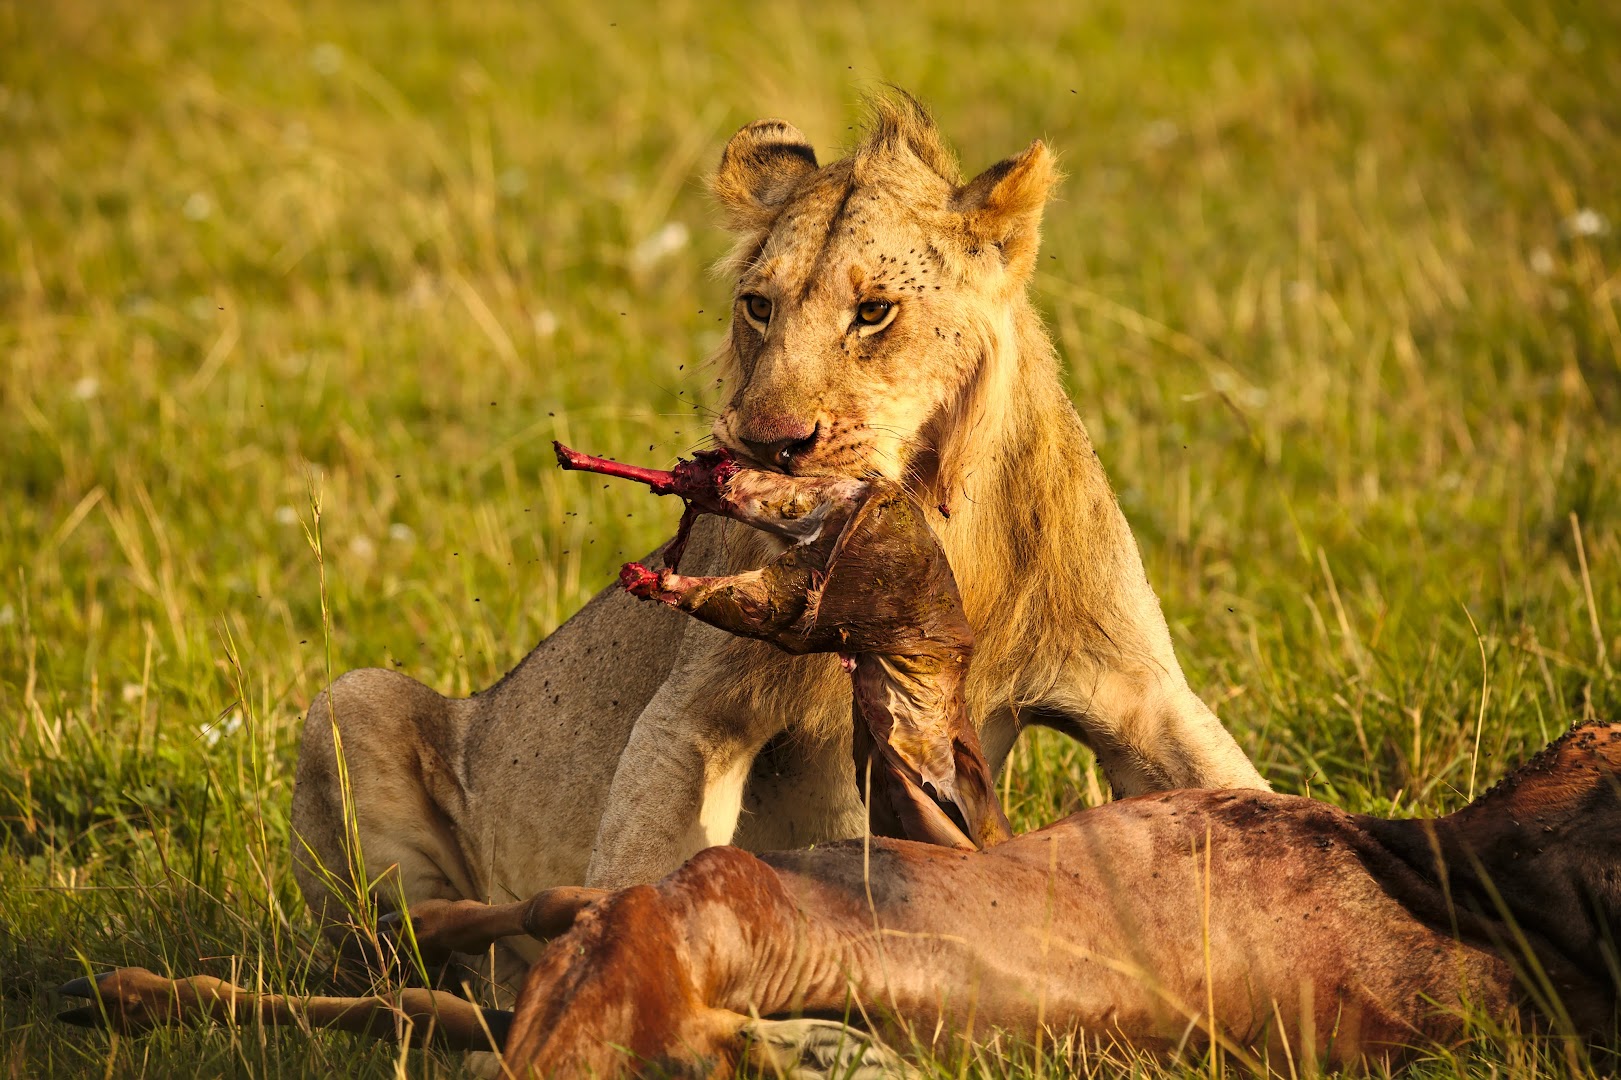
[[86, 388], [197, 206], [422, 292], [1587, 222], [286, 515], [224, 727], [1541, 262], [1160, 133], [545, 323], [1235, 389], [668, 240], [512, 182], [401, 533], [131, 691], [326, 58], [362, 548]]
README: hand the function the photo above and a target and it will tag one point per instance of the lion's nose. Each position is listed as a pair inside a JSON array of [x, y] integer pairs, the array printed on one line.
[[779, 442]]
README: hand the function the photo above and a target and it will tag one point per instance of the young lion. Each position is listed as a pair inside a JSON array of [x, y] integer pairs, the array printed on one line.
[[881, 328]]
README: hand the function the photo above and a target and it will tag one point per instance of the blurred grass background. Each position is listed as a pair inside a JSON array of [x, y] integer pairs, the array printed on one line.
[[1337, 286]]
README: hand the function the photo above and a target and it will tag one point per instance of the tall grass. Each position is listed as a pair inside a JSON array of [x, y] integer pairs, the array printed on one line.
[[1337, 286]]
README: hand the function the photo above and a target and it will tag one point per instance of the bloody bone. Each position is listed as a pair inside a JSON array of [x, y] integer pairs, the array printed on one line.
[[864, 577], [699, 483], [701, 480]]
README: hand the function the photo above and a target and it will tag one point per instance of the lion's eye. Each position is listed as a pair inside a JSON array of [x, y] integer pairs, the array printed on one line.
[[758, 307], [873, 312]]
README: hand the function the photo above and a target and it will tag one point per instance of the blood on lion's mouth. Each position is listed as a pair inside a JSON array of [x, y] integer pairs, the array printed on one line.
[[831, 451]]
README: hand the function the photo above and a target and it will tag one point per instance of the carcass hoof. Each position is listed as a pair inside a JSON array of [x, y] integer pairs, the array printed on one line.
[[394, 928], [93, 1015]]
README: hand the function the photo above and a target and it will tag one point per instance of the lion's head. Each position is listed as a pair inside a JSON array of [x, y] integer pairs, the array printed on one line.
[[871, 292]]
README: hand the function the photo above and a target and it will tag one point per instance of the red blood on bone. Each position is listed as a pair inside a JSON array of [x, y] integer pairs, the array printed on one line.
[[638, 580], [701, 481], [660, 480]]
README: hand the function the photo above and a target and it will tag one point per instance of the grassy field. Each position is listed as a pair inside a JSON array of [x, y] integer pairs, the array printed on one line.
[[1339, 288]]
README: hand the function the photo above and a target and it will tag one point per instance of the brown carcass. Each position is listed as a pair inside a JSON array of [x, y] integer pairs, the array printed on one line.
[[862, 576], [1282, 928]]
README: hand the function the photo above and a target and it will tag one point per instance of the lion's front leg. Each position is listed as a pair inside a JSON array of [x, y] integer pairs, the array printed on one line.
[[679, 785], [1149, 730]]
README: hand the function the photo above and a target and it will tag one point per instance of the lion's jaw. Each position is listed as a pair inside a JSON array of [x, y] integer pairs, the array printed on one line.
[[815, 389]]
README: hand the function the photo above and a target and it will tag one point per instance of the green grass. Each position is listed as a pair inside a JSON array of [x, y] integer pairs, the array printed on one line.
[[1325, 277]]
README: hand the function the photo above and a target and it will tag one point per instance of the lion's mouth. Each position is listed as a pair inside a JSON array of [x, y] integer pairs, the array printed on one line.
[[784, 461], [789, 455], [784, 455], [834, 448]]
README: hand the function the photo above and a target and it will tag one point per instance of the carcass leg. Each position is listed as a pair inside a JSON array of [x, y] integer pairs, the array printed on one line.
[[765, 604], [134, 1000], [443, 927]]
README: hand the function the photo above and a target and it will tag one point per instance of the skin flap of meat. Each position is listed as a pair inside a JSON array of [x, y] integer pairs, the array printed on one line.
[[864, 577]]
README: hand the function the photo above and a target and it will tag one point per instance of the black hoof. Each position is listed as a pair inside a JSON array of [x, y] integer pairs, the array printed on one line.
[[393, 931], [401, 936], [82, 987], [86, 1017]]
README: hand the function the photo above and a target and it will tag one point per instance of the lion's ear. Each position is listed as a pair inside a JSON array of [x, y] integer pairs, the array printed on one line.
[[762, 165], [1003, 204]]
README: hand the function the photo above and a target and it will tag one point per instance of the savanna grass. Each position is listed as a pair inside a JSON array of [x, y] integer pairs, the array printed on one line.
[[1337, 286]]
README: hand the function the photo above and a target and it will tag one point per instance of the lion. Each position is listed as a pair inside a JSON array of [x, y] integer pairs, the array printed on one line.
[[880, 328]]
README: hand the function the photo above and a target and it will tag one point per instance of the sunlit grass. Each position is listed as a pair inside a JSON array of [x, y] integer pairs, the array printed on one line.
[[1337, 287]]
